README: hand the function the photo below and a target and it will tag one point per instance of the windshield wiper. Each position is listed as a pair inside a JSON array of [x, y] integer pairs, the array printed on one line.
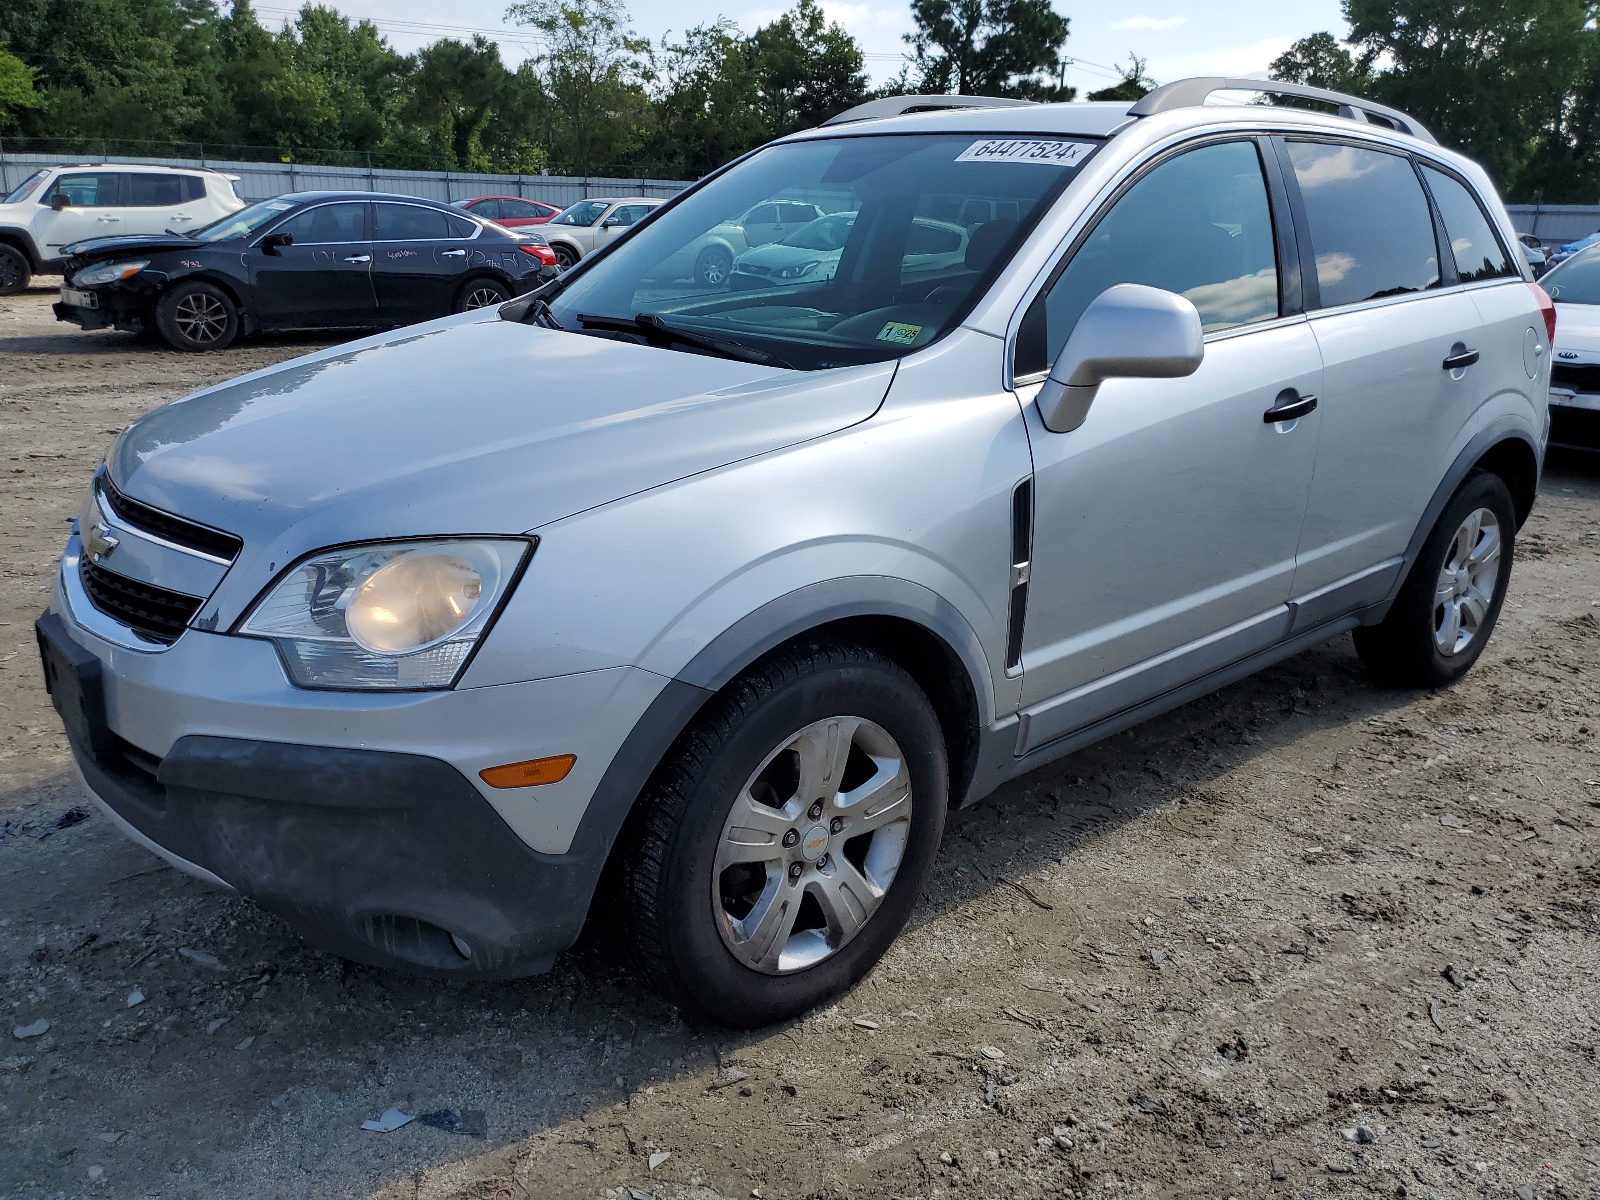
[[653, 328]]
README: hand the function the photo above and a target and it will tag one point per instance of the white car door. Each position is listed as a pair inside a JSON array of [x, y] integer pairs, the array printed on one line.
[[157, 202], [80, 205]]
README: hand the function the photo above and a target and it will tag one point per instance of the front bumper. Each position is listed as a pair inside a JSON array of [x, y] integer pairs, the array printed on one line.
[[1574, 420], [360, 817]]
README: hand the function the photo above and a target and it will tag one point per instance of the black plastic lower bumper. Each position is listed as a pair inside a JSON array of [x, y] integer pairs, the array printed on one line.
[[1574, 428], [386, 858]]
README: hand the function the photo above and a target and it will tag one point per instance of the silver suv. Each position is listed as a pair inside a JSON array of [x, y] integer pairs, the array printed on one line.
[[694, 609]]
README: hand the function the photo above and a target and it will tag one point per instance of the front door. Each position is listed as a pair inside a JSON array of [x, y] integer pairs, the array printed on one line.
[[1165, 526], [94, 208], [323, 279], [1390, 328]]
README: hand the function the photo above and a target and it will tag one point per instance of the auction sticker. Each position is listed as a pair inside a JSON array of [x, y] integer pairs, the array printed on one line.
[[1050, 152], [900, 335]]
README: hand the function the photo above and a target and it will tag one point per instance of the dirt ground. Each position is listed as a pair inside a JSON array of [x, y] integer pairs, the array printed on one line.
[[1306, 937]]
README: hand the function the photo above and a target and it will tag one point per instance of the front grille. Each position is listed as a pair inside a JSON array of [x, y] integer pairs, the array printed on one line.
[[168, 527], [156, 613], [1585, 378]]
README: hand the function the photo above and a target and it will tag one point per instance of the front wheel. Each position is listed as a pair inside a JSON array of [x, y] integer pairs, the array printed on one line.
[[780, 851], [197, 316], [713, 267], [14, 270], [480, 293], [1449, 603]]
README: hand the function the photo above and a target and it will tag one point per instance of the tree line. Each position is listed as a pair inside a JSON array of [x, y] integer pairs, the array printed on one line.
[[594, 99]]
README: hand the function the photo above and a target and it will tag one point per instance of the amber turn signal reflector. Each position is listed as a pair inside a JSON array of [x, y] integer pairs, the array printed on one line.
[[528, 774]]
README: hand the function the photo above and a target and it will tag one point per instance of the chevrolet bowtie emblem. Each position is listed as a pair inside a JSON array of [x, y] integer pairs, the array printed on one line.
[[99, 542]]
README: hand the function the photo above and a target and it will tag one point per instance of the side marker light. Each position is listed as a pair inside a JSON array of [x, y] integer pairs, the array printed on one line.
[[530, 773]]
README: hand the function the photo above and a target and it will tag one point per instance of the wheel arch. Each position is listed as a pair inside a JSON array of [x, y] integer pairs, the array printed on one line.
[[20, 239], [484, 271]]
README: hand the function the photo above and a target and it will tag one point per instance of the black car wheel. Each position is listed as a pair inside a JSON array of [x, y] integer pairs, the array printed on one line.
[[481, 293], [197, 316], [782, 845], [565, 258], [713, 267], [14, 270]]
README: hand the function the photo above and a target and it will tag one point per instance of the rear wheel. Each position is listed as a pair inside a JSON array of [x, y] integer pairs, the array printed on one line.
[[197, 316], [566, 257], [14, 270], [780, 852], [1449, 603], [481, 293]]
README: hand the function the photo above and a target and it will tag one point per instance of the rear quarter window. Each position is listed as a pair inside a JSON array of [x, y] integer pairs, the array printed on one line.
[[1476, 250]]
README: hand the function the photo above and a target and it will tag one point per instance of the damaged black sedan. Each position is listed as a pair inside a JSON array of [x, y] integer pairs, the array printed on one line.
[[310, 260]]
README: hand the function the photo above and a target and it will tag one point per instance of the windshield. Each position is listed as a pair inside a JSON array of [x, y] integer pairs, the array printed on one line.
[[916, 226], [584, 212], [1576, 281], [242, 223], [26, 188]]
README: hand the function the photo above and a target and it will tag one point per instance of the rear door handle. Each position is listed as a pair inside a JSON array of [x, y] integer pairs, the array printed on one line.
[[1289, 406], [358, 258], [1460, 357], [452, 254]]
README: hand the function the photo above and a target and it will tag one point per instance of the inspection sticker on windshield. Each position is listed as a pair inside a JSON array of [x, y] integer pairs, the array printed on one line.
[[1050, 152], [900, 335]]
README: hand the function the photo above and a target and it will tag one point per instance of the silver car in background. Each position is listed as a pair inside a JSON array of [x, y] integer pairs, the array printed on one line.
[[697, 608]]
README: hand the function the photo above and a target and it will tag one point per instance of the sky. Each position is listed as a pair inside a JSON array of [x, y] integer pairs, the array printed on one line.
[[1178, 38]]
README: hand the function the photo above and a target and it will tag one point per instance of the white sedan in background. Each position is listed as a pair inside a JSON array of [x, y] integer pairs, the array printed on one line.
[[1575, 371]]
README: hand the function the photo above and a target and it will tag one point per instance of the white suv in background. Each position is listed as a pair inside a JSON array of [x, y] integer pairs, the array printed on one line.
[[56, 206]]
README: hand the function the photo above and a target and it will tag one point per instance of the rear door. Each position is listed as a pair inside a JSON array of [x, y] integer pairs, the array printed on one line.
[[1398, 387], [761, 225], [157, 202], [324, 278], [419, 260]]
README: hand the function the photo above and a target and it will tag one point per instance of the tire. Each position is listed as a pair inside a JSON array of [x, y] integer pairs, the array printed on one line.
[[566, 258], [713, 266], [1449, 603], [196, 317], [480, 293], [15, 270], [841, 896]]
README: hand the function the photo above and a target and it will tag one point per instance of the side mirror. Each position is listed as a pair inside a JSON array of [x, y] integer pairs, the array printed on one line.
[[60, 201], [274, 242], [610, 223], [1129, 331]]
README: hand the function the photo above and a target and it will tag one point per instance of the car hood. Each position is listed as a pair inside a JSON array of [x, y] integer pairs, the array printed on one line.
[[1577, 332], [777, 254], [109, 247], [470, 424]]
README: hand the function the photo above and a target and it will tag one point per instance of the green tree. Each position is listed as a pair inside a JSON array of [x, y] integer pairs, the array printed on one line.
[[453, 94], [17, 89], [1319, 60], [1134, 84], [707, 106], [807, 69], [989, 47]]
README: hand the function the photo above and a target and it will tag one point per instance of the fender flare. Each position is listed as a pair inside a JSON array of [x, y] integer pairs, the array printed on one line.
[[724, 657], [1507, 428], [23, 240]]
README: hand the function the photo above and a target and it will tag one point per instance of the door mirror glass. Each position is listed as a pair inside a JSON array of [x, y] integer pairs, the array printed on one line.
[[274, 242], [1129, 331]]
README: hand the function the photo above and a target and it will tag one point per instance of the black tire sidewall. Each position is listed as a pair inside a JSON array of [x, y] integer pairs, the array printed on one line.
[[565, 258], [714, 980], [19, 262], [168, 327], [1482, 490], [472, 285]]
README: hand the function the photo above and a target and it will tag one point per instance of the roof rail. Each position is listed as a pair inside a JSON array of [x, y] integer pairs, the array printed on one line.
[[1190, 93], [900, 106]]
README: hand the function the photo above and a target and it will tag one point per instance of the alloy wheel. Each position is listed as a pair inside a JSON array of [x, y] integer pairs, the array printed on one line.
[[200, 317], [482, 297], [811, 845], [1467, 580]]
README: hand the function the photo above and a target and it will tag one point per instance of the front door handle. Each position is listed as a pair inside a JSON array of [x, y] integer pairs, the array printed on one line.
[[452, 254], [358, 258], [1460, 357], [1289, 406]]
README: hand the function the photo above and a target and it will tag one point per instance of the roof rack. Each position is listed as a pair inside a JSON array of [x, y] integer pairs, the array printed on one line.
[[1190, 93], [900, 106]]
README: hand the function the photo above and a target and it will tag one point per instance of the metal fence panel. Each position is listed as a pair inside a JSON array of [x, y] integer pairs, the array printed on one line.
[[261, 180], [1555, 223]]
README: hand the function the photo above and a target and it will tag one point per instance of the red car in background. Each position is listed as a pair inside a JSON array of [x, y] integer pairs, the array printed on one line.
[[510, 211]]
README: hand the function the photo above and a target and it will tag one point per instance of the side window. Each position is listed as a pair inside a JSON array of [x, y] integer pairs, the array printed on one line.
[[194, 187], [928, 238], [630, 214], [154, 191], [1477, 252], [1199, 224], [87, 191], [327, 224], [1371, 230], [519, 208], [410, 223], [763, 214], [460, 227], [491, 210]]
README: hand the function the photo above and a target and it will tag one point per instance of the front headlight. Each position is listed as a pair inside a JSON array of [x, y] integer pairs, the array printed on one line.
[[797, 271], [108, 272], [398, 616]]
